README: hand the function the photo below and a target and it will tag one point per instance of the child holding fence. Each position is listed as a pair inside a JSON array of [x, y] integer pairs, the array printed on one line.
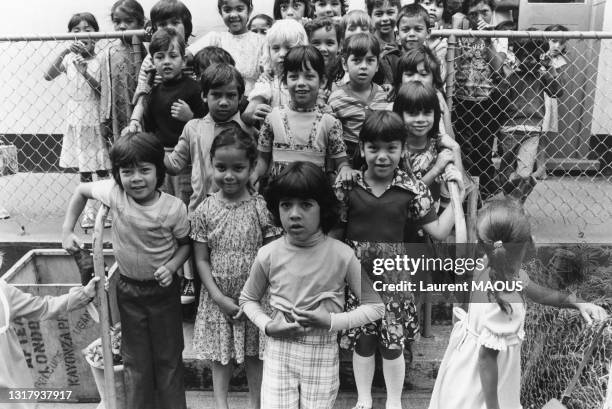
[[150, 237], [83, 145], [374, 216], [482, 364], [120, 64]]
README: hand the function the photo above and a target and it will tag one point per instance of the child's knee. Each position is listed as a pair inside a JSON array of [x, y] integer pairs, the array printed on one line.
[[366, 345], [391, 354]]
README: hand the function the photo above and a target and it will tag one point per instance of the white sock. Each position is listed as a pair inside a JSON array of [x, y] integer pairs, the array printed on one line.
[[363, 370], [394, 371]]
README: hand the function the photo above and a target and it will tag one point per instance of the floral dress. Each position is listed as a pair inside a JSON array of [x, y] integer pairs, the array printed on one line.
[[375, 229], [234, 233], [292, 135]]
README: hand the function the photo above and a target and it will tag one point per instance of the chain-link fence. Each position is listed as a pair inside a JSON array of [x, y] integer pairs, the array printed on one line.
[[538, 127], [545, 127], [60, 113]]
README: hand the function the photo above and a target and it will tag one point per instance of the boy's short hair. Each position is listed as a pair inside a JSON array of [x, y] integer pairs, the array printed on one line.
[[355, 17], [359, 45], [211, 55], [303, 180], [386, 126], [323, 22], [372, 4], [248, 3], [136, 147], [414, 10], [276, 12], [163, 38], [219, 75], [166, 9]]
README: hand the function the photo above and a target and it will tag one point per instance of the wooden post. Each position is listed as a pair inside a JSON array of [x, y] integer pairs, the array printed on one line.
[[110, 399]]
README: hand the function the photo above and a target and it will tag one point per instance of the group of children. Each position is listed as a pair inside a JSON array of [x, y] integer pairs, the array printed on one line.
[[343, 126]]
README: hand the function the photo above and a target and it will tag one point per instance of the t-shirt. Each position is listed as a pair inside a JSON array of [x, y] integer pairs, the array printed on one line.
[[144, 237], [158, 118]]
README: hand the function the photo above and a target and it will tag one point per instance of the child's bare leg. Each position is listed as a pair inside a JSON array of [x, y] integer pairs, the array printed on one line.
[[363, 368], [254, 368], [221, 375], [394, 371]]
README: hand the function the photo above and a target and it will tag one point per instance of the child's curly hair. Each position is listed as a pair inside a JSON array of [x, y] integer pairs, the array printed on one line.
[[304, 180]]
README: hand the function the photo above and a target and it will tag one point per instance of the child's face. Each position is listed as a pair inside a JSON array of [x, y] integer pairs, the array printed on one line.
[[326, 41], [303, 86], [361, 70], [278, 51], [235, 15], [223, 102], [555, 47], [90, 44], [421, 75], [435, 10], [169, 63], [382, 158], [231, 170], [301, 218], [412, 32], [293, 9], [353, 29], [259, 26], [139, 182], [384, 18], [480, 11], [123, 21], [172, 22], [328, 8], [419, 124]]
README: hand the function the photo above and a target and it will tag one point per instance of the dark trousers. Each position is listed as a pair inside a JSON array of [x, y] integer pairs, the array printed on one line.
[[152, 343], [476, 124]]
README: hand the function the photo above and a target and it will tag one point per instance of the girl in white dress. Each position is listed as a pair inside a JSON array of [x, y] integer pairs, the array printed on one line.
[[481, 367]]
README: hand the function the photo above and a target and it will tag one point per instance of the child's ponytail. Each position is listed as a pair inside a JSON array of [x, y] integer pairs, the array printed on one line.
[[504, 232]]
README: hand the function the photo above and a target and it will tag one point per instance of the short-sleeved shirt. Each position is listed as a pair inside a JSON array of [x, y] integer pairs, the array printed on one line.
[[294, 136], [352, 111], [144, 237], [384, 218]]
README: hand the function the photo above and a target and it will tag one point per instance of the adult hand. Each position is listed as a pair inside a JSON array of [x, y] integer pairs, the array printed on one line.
[[71, 243]]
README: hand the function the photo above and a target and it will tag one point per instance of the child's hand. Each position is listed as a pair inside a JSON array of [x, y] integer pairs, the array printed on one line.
[[78, 47], [90, 288], [163, 276], [591, 312], [133, 127], [261, 112], [229, 307], [279, 328], [445, 156], [317, 318], [181, 111], [71, 243], [452, 174], [80, 64], [483, 25], [347, 176]]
